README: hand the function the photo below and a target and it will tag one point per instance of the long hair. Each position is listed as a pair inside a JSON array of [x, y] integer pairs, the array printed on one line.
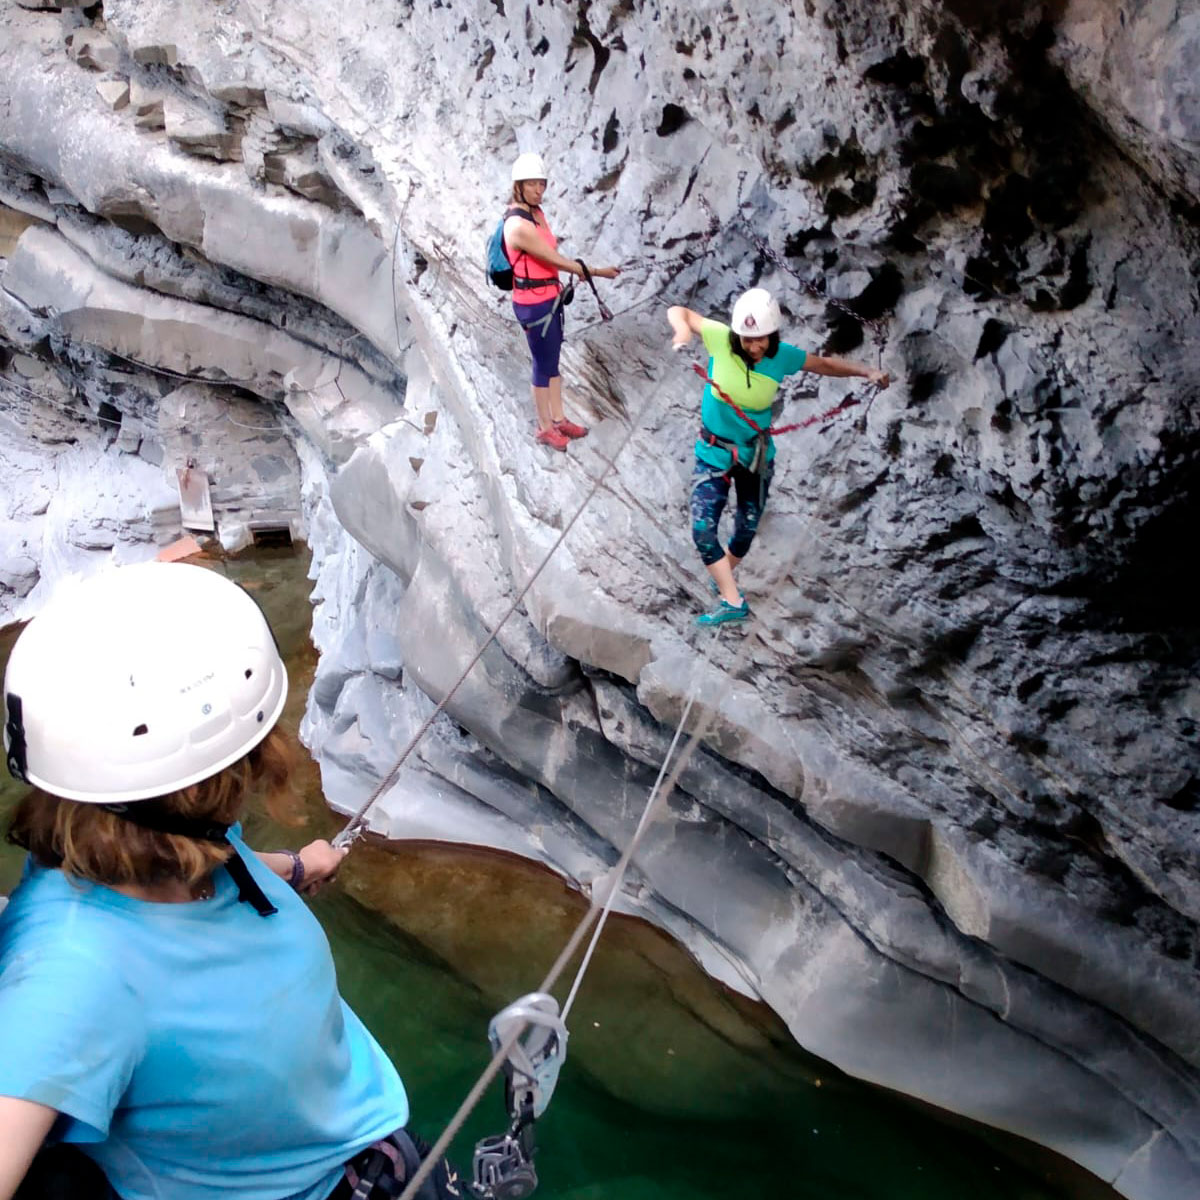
[[89, 842], [518, 194], [735, 344]]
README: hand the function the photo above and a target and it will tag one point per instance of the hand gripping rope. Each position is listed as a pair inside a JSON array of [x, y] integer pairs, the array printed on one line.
[[567, 294]]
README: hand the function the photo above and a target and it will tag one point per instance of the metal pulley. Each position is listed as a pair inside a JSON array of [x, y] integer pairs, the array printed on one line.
[[503, 1165], [503, 1168]]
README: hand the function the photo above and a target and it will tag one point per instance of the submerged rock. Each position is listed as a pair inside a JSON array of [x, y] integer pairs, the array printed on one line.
[[944, 819]]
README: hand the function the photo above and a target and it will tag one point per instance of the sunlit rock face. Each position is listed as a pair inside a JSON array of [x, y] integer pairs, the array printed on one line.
[[945, 817]]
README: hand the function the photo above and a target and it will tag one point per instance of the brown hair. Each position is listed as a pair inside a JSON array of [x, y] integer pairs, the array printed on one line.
[[90, 842], [518, 193]]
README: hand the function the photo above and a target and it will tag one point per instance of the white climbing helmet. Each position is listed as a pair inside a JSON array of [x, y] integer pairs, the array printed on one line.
[[528, 166], [138, 682], [756, 314]]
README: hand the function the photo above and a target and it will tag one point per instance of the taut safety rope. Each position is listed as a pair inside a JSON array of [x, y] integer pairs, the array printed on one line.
[[654, 804]]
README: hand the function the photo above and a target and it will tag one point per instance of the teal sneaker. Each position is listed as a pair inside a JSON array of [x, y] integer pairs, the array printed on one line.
[[725, 614]]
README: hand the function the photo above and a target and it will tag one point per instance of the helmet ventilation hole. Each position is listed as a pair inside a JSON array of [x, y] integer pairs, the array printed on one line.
[[249, 672], [260, 716], [140, 730]]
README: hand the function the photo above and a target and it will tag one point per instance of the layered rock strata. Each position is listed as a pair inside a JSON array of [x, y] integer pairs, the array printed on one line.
[[945, 818]]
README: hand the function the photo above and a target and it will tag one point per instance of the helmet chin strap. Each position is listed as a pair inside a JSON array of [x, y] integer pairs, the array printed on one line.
[[149, 814], [14, 726]]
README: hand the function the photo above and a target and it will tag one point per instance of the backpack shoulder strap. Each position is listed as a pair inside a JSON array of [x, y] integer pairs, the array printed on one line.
[[525, 216]]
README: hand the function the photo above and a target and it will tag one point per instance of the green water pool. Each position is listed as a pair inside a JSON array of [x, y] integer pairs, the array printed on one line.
[[674, 1086]]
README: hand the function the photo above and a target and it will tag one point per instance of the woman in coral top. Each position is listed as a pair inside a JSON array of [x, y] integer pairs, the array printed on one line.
[[532, 250]]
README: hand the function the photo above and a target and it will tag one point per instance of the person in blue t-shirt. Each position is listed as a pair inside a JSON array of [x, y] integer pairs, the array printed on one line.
[[168, 1004], [747, 363]]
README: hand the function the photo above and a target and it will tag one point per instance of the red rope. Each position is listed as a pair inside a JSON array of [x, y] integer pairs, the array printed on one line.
[[849, 402]]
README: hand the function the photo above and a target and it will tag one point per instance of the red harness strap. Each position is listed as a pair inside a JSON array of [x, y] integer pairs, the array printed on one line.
[[772, 430]]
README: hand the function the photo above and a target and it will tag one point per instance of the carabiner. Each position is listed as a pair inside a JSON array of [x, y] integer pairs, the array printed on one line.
[[536, 1057]]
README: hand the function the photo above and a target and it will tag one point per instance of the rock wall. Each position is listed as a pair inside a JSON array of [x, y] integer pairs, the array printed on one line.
[[945, 820]]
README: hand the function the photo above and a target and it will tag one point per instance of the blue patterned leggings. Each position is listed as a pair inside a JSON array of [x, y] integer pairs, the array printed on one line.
[[710, 493]]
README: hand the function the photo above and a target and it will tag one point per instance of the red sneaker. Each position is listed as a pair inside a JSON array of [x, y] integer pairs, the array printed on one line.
[[552, 438], [570, 429]]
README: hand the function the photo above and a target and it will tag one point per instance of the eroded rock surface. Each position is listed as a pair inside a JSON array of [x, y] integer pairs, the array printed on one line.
[[946, 817]]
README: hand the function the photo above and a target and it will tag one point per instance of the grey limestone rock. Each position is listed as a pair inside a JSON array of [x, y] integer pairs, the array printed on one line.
[[200, 130], [946, 814], [114, 92], [93, 50]]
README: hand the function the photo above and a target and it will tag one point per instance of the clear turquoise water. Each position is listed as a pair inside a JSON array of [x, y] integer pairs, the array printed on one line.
[[674, 1087]]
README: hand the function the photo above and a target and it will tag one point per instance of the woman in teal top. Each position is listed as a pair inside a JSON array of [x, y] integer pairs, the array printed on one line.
[[747, 363], [168, 1004]]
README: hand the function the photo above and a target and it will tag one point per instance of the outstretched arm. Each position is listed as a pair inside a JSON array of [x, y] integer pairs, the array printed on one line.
[[684, 323], [25, 1127], [520, 235], [843, 368], [319, 862]]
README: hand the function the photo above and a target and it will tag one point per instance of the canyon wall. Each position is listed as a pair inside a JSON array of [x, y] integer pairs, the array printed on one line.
[[945, 820]]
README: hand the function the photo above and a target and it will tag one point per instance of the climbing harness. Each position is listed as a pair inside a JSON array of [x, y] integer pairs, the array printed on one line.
[[566, 295], [758, 462], [381, 1170], [842, 406]]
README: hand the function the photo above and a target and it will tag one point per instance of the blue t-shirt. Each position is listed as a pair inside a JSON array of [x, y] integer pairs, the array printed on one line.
[[751, 389], [196, 1050]]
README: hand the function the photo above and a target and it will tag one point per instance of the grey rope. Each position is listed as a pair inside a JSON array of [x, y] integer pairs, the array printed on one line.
[[654, 804], [355, 827], [611, 897]]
